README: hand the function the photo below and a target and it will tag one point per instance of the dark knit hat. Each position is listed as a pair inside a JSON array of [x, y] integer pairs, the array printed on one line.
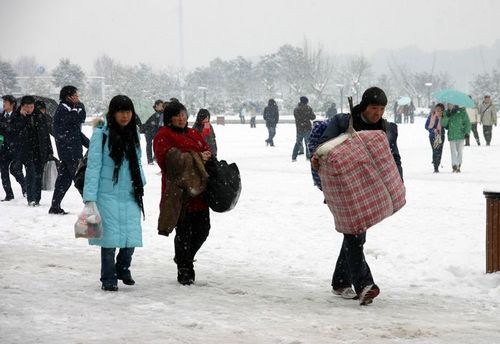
[[304, 100], [373, 96]]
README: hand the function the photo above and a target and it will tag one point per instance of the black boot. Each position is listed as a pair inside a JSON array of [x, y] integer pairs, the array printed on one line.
[[185, 276]]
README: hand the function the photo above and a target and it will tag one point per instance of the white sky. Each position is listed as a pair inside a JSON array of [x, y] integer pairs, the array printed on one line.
[[147, 31]]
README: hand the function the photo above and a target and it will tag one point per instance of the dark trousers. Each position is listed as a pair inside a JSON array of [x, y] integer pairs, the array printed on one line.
[[111, 271], [16, 169], [351, 268], [487, 132], [298, 144], [252, 122], [149, 148], [34, 174], [65, 176], [190, 234], [272, 133], [474, 131], [437, 153]]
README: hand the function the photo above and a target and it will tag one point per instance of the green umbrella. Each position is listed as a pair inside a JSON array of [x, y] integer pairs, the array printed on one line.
[[143, 108], [453, 97], [404, 100]]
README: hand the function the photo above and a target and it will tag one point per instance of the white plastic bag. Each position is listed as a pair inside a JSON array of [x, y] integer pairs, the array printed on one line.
[[89, 222]]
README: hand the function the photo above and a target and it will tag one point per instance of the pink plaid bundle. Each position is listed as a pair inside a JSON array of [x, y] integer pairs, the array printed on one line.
[[360, 180]]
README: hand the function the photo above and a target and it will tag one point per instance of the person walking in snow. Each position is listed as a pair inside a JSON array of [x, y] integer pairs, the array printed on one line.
[[206, 130], [150, 128], [114, 181], [271, 116], [179, 152], [488, 114], [67, 130], [456, 121], [303, 116], [436, 134], [351, 268], [35, 147], [8, 148], [474, 119]]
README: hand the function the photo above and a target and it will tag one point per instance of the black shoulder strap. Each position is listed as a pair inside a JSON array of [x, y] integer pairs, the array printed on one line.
[[104, 137]]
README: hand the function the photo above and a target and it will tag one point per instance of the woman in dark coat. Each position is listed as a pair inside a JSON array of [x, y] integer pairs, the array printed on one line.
[[351, 268], [194, 225], [202, 125]]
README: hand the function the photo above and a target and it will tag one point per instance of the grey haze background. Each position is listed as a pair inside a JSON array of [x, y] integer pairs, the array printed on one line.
[[132, 31]]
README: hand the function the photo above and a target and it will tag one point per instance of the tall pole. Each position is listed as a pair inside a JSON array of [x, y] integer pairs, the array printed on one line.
[[181, 37]]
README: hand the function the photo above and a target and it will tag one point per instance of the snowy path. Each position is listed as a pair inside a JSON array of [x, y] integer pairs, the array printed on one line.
[[263, 276]]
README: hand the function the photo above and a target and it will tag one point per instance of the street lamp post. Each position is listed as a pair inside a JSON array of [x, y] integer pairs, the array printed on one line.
[[204, 89], [428, 85], [341, 88]]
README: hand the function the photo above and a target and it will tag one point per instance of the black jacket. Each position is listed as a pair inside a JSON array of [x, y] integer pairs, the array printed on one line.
[[33, 141], [151, 126], [340, 122], [271, 115], [67, 131], [8, 133], [303, 116]]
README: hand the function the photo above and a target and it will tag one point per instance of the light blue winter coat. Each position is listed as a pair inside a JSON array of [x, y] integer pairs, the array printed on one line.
[[121, 216]]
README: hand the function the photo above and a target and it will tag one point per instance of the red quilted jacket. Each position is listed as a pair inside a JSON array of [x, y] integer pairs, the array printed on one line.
[[185, 140]]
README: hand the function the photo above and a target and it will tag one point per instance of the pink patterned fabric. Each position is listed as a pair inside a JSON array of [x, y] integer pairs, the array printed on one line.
[[361, 182]]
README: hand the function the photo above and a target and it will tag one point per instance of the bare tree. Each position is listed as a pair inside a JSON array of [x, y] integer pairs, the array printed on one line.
[[320, 69], [355, 74]]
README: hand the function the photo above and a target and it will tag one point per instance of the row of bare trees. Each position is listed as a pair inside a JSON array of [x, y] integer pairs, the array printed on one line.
[[224, 85]]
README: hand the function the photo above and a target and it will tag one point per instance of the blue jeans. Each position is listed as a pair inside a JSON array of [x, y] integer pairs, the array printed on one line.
[[110, 272], [272, 132], [298, 143], [351, 268]]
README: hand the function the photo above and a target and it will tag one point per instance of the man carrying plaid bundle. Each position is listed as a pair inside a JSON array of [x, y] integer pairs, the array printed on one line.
[[351, 268]]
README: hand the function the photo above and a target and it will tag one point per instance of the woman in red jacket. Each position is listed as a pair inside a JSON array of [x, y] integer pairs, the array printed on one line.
[[192, 228]]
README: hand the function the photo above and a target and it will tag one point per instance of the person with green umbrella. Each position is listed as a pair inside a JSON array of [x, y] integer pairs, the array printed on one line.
[[457, 122]]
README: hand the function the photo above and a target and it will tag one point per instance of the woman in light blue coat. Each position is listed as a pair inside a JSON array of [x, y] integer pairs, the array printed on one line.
[[115, 181]]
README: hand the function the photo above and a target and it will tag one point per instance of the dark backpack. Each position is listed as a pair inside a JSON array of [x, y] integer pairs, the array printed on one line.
[[79, 180], [223, 186]]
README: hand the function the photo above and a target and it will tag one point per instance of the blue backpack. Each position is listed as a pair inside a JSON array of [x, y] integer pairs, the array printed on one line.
[[317, 131]]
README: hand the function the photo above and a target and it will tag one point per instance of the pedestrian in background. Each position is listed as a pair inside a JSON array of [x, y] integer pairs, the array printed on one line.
[[150, 128], [456, 121], [67, 130], [34, 149], [474, 119], [303, 116], [8, 147], [203, 126], [488, 114], [271, 116], [436, 134]]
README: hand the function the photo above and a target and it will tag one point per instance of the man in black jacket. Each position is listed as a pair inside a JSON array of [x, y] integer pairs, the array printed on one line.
[[150, 128], [303, 116], [7, 149], [34, 146], [67, 130]]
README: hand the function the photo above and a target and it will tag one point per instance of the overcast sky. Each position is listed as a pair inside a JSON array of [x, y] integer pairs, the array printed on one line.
[[133, 31]]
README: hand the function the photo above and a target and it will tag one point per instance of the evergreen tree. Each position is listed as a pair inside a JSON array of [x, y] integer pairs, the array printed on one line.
[[8, 80]]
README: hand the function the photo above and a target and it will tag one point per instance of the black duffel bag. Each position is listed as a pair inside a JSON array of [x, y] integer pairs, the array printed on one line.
[[223, 186]]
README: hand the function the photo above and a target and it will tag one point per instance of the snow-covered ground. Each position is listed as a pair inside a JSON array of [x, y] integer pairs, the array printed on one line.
[[263, 276]]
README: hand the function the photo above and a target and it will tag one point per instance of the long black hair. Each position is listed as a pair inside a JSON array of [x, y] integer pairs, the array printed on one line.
[[123, 142]]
